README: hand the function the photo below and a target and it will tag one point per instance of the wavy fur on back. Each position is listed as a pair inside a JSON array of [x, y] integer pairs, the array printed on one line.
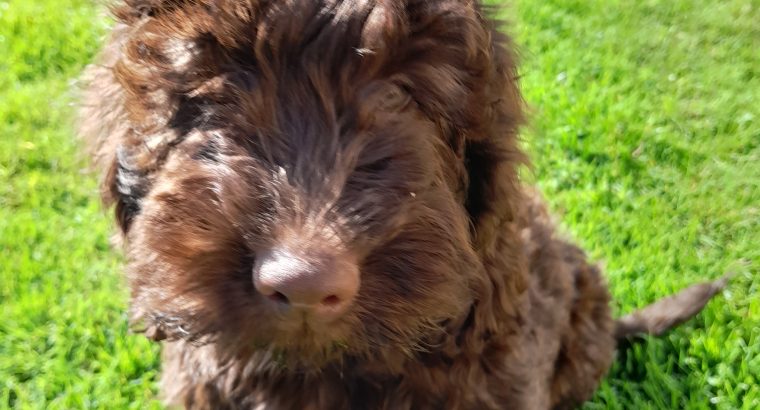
[[385, 128]]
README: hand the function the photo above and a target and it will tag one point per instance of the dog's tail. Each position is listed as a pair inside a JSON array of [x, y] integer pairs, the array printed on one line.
[[668, 312]]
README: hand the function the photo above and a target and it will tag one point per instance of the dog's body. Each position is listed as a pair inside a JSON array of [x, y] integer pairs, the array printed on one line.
[[376, 139]]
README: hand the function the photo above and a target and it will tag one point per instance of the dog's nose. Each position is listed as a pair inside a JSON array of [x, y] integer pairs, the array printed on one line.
[[324, 285]]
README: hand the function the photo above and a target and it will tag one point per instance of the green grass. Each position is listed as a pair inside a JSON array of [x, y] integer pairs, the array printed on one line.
[[645, 138]]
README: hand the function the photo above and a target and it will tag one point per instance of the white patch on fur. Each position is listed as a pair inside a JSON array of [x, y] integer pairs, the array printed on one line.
[[180, 52]]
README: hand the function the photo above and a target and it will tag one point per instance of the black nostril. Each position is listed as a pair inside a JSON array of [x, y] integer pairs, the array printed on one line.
[[278, 297], [331, 300]]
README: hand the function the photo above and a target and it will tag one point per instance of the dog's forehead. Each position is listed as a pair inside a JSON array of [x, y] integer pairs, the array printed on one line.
[[304, 72], [313, 87], [328, 28]]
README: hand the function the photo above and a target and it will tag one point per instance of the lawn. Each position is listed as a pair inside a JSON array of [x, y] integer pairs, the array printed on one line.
[[645, 137]]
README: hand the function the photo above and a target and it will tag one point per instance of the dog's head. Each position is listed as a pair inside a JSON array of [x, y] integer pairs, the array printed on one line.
[[308, 178]]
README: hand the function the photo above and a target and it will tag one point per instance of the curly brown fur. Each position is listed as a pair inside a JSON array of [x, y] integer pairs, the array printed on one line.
[[384, 130]]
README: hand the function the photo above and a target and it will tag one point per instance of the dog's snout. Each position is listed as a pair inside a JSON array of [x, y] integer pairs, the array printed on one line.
[[323, 284]]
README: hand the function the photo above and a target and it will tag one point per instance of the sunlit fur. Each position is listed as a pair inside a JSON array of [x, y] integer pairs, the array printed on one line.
[[386, 130]]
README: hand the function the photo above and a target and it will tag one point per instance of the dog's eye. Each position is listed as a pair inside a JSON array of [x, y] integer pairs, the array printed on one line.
[[386, 96], [374, 167], [393, 98]]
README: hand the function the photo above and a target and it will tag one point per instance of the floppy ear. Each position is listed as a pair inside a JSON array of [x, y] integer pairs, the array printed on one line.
[[472, 96], [494, 196], [492, 155]]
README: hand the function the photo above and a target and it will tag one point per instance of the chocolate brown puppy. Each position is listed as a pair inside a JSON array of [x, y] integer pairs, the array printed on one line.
[[320, 209]]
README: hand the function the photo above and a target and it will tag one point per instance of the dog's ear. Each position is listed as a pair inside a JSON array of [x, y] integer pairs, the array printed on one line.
[[492, 155], [476, 103], [494, 196]]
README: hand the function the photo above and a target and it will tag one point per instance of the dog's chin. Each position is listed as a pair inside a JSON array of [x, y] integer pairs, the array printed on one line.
[[315, 348], [294, 344], [306, 350]]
